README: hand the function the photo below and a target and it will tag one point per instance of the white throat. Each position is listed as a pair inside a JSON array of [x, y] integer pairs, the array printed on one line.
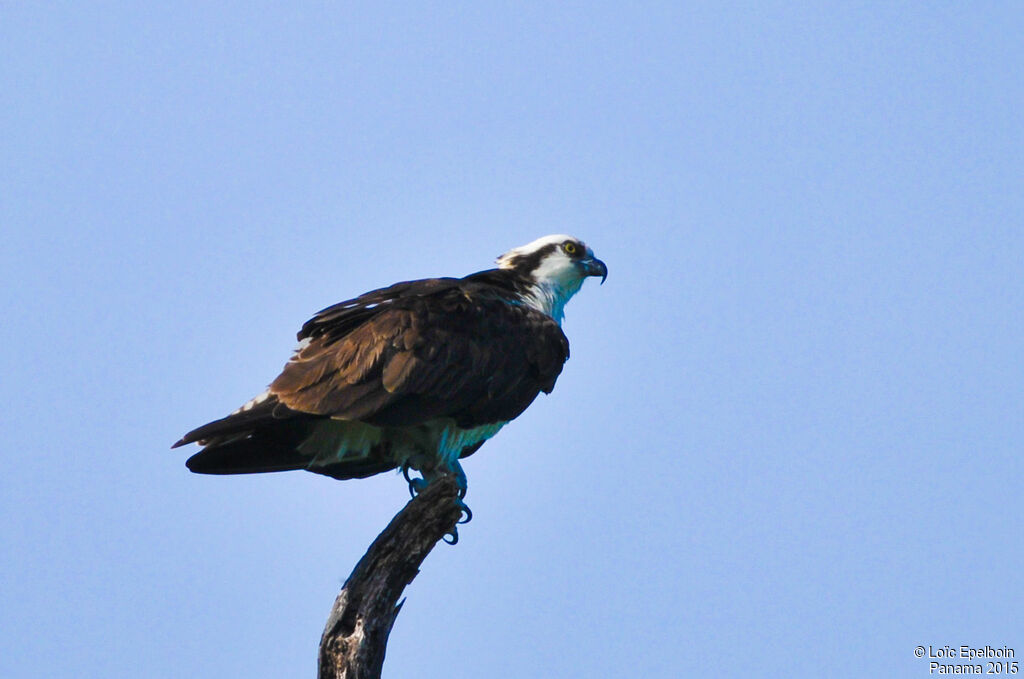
[[554, 272], [549, 297]]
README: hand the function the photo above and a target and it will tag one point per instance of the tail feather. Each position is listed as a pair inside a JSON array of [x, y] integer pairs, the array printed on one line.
[[251, 455], [267, 412], [262, 436], [272, 438]]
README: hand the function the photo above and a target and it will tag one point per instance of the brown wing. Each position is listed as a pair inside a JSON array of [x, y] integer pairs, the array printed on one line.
[[443, 347]]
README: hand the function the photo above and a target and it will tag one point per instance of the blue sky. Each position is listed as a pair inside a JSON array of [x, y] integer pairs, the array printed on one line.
[[787, 442]]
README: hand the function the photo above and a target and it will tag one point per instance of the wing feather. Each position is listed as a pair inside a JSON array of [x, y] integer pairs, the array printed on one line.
[[411, 353]]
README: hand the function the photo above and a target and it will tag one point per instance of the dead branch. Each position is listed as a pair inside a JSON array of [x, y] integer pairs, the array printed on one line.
[[356, 635]]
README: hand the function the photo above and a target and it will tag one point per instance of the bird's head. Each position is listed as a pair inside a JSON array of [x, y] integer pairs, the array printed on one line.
[[557, 259], [556, 267]]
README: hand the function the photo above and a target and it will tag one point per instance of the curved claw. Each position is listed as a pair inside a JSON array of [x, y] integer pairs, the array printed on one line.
[[467, 511], [454, 534], [408, 481], [416, 486]]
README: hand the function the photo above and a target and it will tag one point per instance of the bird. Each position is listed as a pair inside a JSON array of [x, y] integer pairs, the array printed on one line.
[[415, 376]]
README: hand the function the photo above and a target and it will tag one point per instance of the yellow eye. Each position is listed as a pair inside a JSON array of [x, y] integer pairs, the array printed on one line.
[[570, 248]]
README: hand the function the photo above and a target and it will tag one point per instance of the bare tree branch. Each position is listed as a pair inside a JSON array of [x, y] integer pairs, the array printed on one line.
[[356, 635]]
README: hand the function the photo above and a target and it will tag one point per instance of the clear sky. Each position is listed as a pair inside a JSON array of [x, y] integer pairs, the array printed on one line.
[[788, 441]]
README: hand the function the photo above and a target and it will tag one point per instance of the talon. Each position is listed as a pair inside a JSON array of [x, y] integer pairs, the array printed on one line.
[[460, 480], [454, 534], [408, 481], [416, 486], [468, 512]]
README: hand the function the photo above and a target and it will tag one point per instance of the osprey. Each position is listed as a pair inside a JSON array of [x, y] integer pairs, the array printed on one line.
[[413, 376]]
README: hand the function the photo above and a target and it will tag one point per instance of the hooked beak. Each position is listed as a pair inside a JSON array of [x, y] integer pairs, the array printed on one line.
[[592, 266]]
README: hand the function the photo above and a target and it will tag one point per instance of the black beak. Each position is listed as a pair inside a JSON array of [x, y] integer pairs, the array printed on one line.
[[595, 267]]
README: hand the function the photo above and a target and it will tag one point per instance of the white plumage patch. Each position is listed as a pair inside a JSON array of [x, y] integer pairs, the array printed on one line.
[[551, 299], [533, 246], [335, 440], [454, 440], [440, 442], [254, 401]]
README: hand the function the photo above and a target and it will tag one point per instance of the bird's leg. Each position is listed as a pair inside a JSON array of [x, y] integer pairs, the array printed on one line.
[[463, 483]]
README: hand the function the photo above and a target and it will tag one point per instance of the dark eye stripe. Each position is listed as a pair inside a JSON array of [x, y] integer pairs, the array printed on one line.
[[529, 262]]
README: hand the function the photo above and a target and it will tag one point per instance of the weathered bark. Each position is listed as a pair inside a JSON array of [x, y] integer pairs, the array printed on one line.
[[356, 635]]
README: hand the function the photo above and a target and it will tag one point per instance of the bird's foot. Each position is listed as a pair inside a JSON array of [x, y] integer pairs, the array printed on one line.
[[452, 536], [418, 484], [461, 481], [465, 510], [463, 484]]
